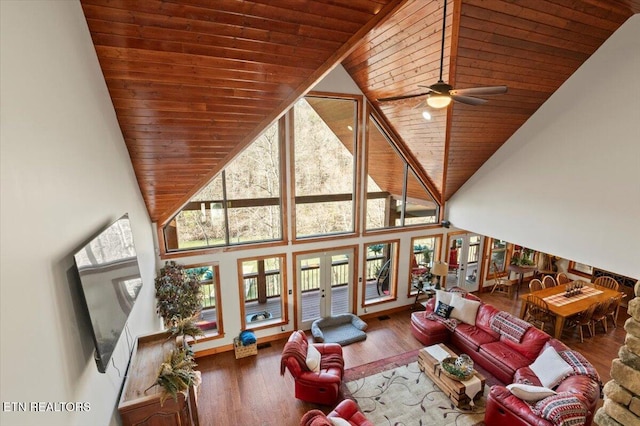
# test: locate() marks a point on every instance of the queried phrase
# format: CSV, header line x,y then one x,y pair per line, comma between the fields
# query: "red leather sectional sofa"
x,y
507,360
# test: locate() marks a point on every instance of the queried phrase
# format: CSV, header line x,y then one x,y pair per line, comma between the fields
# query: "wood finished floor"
x,y
250,391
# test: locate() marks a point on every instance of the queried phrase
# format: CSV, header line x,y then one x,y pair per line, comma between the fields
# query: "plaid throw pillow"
x,y
563,409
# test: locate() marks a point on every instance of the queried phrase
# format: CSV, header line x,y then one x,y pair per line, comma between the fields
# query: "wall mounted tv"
x,y
110,281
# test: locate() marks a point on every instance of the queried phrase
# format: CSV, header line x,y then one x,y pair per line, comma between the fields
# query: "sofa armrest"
x,y
348,410
358,323
505,408
328,348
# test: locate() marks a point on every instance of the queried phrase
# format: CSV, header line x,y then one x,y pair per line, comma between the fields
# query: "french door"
x,y
465,254
324,284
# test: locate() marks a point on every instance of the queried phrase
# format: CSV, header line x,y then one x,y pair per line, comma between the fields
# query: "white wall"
x,y
65,174
567,182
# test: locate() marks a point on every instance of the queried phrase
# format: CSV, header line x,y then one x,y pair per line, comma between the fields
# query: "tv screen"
x,y
110,281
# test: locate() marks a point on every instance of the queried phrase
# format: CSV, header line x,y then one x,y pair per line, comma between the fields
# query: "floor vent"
x,y
384,317
264,345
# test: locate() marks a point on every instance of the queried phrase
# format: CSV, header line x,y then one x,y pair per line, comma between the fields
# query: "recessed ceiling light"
x,y
426,115
350,128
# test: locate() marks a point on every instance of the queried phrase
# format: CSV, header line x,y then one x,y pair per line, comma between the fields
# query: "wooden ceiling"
x,y
194,81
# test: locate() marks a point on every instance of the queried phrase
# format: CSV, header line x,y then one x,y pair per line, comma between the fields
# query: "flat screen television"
x,y
110,282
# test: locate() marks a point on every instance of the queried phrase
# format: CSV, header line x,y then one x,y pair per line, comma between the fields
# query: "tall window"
x,y
324,148
261,284
240,205
425,251
395,196
210,319
381,272
498,255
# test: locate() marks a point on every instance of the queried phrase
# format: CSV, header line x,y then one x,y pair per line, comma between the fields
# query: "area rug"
x,y
404,395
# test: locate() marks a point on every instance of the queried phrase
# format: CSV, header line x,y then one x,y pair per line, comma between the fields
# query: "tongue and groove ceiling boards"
x,y
194,81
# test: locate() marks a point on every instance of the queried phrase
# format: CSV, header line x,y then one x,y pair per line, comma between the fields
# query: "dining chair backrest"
x,y
535,285
607,282
562,278
548,281
601,310
586,316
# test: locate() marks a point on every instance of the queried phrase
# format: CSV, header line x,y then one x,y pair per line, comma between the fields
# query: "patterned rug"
x,y
404,396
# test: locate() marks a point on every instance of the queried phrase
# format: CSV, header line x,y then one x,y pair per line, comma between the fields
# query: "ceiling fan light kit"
x,y
437,100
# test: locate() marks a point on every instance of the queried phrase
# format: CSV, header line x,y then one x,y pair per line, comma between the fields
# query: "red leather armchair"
x,y
321,387
347,410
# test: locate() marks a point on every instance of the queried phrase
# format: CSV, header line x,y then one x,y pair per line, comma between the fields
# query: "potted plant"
x,y
179,302
178,293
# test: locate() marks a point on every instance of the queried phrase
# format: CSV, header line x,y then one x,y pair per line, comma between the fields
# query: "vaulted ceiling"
x,y
193,82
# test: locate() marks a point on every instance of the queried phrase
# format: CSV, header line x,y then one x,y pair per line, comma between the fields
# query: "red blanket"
x,y
296,351
332,361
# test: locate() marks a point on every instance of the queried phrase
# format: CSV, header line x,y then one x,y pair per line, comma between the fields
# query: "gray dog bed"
x,y
343,329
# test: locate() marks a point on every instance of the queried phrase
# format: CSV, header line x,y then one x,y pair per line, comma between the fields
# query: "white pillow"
x,y
444,297
313,358
464,309
530,393
338,421
550,367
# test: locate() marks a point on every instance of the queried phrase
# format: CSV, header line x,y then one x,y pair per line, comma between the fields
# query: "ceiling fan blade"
x,y
398,98
480,91
468,100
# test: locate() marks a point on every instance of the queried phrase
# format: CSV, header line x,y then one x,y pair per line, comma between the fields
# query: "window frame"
x,y
436,256
393,274
276,322
409,166
219,332
357,192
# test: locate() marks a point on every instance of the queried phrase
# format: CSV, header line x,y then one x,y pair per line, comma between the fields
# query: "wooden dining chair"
x,y
607,282
562,278
548,281
501,285
612,311
537,312
583,319
600,314
535,285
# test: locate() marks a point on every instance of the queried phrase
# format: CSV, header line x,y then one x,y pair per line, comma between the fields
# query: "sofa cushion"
x,y
473,336
464,309
337,421
531,343
550,368
443,296
483,319
501,354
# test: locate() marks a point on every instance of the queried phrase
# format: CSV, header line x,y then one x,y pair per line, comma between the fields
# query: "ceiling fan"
x,y
440,94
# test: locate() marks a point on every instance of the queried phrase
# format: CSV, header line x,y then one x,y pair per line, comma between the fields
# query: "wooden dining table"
x,y
564,307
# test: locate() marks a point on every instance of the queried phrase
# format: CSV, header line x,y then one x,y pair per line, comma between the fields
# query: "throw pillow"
x,y
339,421
313,359
563,409
464,310
443,310
550,368
530,393
443,296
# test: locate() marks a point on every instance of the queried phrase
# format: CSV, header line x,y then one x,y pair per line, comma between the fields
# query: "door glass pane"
x,y
340,276
309,282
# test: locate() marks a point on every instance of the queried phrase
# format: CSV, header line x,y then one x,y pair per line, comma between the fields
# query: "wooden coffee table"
x,y
454,389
